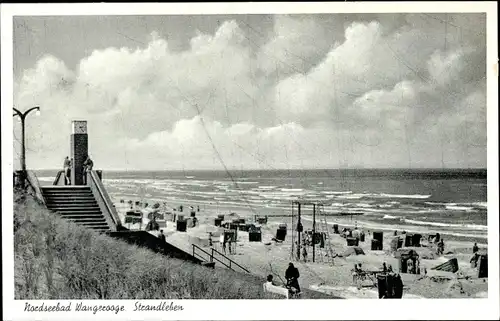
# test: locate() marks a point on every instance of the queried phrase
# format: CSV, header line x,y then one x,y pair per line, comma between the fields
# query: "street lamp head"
x,y
37,112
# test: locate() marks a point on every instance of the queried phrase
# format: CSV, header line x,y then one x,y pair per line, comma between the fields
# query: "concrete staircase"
x,y
77,204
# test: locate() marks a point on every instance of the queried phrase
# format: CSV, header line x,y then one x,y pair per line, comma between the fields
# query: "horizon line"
x,y
282,169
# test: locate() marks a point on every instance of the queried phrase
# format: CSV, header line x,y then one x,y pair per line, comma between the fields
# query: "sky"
x,y
254,91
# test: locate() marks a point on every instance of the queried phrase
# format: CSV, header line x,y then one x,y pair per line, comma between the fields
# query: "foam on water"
x,y
449,225
459,208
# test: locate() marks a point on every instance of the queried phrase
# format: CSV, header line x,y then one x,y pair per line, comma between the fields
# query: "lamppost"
x,y
22,116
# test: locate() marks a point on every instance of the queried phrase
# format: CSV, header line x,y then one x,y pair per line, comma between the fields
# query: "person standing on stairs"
x,y
67,173
87,168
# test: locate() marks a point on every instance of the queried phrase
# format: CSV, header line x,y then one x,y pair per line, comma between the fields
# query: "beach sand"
x,y
269,257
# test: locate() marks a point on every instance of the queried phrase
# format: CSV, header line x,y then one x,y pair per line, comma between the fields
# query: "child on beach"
x,y
475,248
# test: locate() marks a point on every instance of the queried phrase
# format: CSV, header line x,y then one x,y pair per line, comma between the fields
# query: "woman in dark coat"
x,y
292,275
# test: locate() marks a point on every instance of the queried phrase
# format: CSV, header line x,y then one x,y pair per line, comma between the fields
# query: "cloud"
x,y
367,91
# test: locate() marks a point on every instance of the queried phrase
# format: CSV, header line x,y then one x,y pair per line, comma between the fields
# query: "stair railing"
x,y
103,198
213,257
59,176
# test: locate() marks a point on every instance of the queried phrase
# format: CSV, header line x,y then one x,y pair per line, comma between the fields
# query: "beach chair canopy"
x,y
406,253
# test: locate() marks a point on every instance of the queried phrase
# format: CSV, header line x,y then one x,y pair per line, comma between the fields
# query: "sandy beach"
x,y
270,257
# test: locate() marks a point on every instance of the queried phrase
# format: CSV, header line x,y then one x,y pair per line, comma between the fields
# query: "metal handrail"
x,y
213,257
100,187
58,175
230,261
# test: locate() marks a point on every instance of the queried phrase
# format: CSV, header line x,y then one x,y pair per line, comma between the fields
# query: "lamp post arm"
x,y
18,113
31,109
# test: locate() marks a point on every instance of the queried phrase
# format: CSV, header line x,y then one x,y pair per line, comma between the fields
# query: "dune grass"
x,y
56,259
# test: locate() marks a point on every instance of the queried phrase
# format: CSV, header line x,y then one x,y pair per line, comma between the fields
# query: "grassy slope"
x,y
55,259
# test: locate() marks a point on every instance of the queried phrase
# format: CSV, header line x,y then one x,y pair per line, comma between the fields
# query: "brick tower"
x,y
79,150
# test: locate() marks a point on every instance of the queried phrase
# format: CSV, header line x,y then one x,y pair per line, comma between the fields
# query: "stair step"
x,y
82,215
66,188
87,219
100,227
74,204
70,199
54,194
66,213
88,223
75,208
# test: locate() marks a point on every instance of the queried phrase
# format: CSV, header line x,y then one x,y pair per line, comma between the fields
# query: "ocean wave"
x,y
415,196
293,190
439,203
352,197
336,192
267,187
390,217
449,225
408,228
246,183
459,208
481,204
383,195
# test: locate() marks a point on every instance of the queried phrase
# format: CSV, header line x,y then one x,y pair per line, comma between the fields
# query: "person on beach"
x,y
355,273
398,287
194,221
162,236
270,280
475,248
198,208
384,267
474,260
355,233
66,168
221,242
304,254
410,266
292,277
229,243
440,247
210,243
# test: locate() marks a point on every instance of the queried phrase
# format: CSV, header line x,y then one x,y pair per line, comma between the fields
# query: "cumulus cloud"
x,y
374,91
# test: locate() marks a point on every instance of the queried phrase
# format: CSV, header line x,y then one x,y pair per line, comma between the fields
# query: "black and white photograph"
x,y
167,157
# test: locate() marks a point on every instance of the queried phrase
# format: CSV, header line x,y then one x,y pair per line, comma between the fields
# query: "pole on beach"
x,y
293,239
298,241
314,232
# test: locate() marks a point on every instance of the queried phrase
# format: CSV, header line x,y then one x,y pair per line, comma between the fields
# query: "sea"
x,y
450,202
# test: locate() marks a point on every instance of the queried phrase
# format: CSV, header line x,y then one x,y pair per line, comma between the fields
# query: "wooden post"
x,y
298,241
212,255
293,239
314,232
